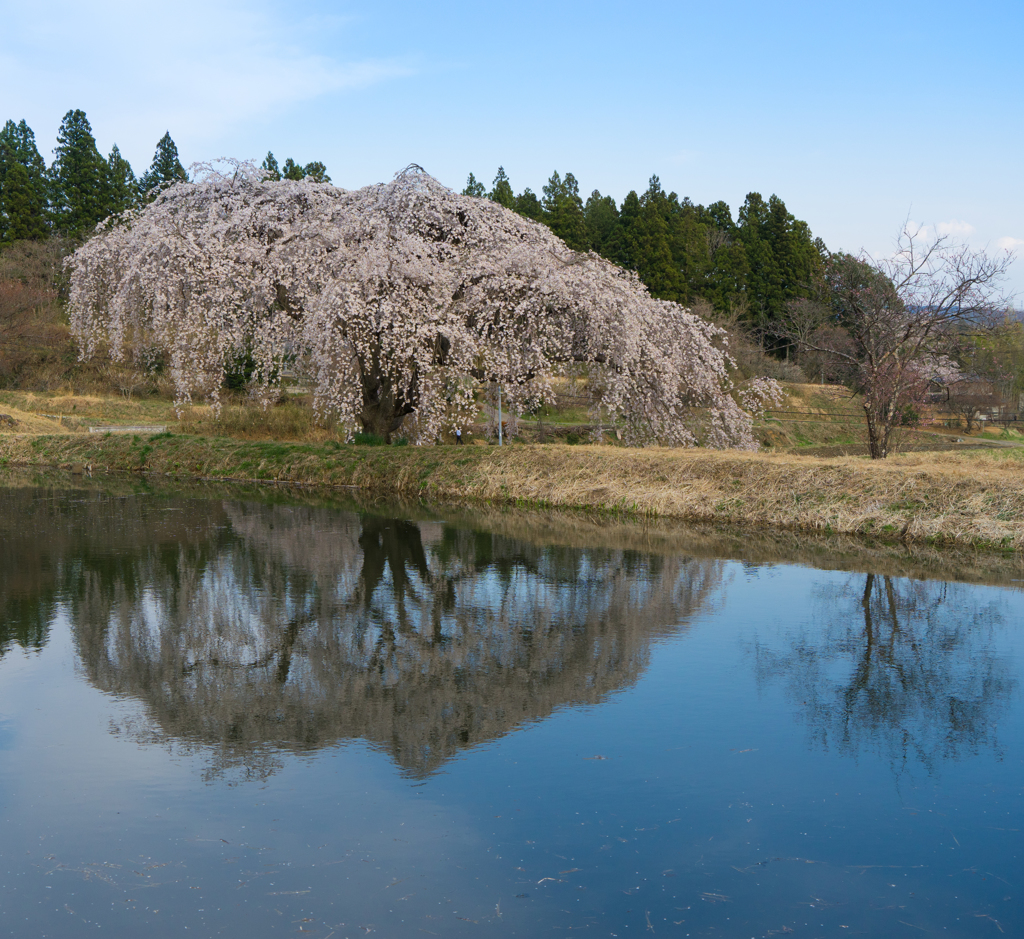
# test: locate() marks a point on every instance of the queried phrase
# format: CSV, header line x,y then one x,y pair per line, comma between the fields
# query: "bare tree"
x,y
893,322
31,281
19,310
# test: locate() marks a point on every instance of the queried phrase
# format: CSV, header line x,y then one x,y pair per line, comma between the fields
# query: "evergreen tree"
x,y
622,247
764,283
689,240
528,205
657,268
79,177
502,192
601,215
21,214
682,251
474,188
23,200
317,172
720,215
166,168
752,219
797,255
19,143
563,211
725,282
292,170
271,167
122,186
784,263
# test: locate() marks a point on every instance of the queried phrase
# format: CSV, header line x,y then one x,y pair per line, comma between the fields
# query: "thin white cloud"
x,y
956,228
685,157
1008,243
138,73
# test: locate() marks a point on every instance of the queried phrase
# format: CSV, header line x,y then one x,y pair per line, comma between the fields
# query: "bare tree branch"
x,y
895,322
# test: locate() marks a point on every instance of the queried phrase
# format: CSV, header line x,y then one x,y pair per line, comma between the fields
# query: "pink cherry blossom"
x,y
395,302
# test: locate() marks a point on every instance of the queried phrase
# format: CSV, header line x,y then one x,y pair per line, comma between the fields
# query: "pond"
x,y
242,713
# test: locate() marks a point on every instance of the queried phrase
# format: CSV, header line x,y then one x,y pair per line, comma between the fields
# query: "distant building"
x,y
973,398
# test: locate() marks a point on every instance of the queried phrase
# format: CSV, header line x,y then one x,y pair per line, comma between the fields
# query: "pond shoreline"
x,y
963,499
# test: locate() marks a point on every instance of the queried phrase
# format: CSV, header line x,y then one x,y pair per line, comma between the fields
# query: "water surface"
x,y
236,716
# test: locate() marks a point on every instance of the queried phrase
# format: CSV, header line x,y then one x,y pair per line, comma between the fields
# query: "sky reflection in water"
x,y
289,719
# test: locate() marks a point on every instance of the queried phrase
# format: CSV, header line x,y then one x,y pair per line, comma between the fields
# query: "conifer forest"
x,y
747,264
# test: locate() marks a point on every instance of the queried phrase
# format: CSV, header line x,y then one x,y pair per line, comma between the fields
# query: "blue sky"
x,y
858,115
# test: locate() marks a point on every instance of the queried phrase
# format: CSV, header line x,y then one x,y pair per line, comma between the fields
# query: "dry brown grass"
x,y
27,422
956,498
584,528
671,536
291,420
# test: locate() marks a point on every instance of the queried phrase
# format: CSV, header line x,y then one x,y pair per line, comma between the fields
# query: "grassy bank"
x,y
969,499
580,527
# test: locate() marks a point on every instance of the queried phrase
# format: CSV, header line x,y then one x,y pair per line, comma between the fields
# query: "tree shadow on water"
x,y
905,669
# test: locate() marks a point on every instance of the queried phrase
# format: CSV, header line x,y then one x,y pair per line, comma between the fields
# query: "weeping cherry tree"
x,y
396,300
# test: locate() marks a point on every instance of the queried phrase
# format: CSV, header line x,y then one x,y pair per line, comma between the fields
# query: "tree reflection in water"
x,y
289,627
905,668
26,573
247,628
47,537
